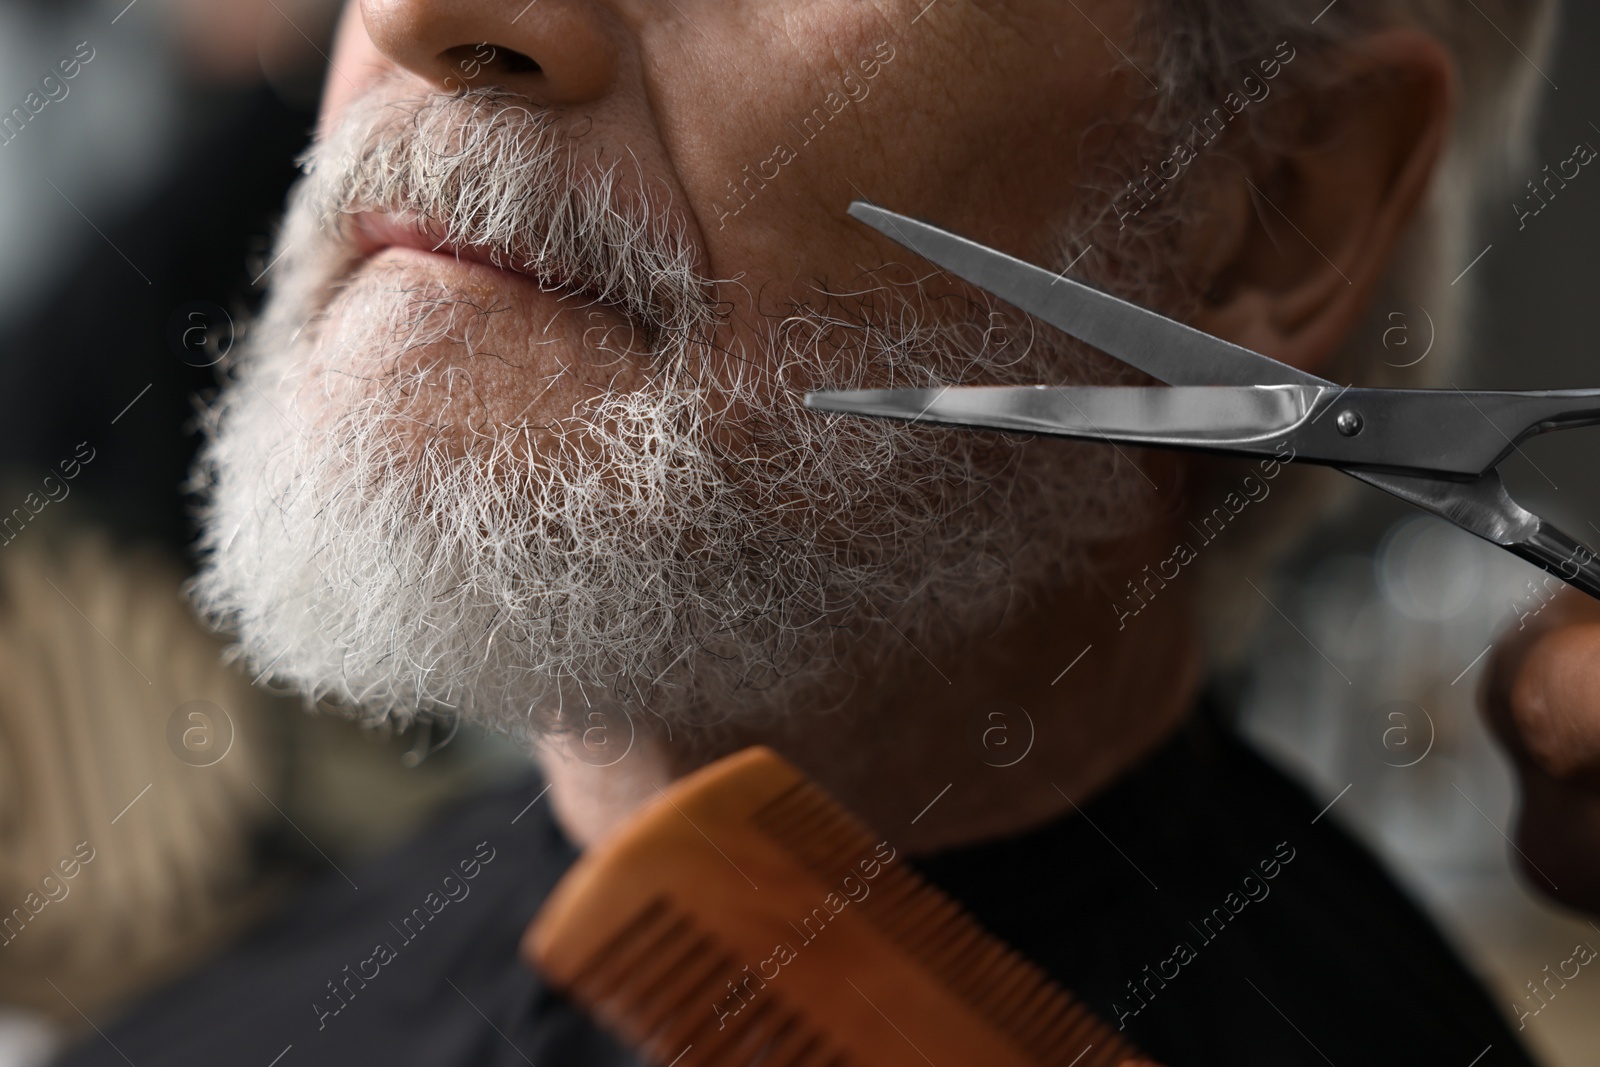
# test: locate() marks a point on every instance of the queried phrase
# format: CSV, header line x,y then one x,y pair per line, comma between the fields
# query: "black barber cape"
x,y
1195,903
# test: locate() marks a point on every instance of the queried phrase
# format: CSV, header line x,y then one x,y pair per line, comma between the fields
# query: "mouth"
x,y
374,232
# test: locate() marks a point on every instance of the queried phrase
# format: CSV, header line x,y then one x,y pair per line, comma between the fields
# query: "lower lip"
x,y
379,234
477,274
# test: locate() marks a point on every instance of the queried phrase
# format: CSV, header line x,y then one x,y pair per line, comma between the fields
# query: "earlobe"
x,y
1326,204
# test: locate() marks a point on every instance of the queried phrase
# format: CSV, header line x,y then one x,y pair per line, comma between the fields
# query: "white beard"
x,y
370,548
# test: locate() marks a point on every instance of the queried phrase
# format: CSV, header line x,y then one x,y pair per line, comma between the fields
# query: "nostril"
x,y
517,63
476,64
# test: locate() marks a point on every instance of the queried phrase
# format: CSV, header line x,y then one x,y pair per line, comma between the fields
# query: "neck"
x,y
1010,731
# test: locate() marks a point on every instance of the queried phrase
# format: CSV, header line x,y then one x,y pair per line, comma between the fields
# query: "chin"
x,y
454,350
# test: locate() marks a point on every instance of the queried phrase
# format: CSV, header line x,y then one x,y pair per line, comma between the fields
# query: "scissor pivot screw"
x,y
1349,423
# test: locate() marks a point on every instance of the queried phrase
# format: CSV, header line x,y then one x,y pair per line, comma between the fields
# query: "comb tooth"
x,y
1011,983
923,915
803,831
792,803
830,863
842,837
1055,1026
753,1026
906,911
751,1037
893,901
1008,1000
783,811
660,979
672,942
973,965
1012,994
698,968
666,1027
1002,988
1058,1020
1039,1009
772,1035
637,936
620,943
794,1043
966,952
829,827
720,1047
636,998
721,1043
623,977
649,990
810,823
973,956
790,1044
932,932
1076,1027
947,941
1081,1028
944,937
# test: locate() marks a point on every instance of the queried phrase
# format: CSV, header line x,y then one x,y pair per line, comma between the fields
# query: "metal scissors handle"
x,y
1438,450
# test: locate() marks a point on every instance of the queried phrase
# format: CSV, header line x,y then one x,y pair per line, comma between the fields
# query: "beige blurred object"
x,y
130,760
234,41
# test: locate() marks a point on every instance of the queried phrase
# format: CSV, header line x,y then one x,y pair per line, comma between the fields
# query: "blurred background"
x,y
1374,702
137,200
137,204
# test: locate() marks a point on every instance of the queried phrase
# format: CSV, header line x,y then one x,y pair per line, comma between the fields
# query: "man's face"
x,y
521,423
759,122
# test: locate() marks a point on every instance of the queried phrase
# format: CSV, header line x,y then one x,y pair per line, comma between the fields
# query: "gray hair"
x,y
1198,50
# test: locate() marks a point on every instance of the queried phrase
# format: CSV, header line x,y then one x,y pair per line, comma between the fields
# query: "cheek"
x,y
966,119
355,58
744,115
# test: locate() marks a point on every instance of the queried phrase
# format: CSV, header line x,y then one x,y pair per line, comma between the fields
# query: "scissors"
x,y
1436,449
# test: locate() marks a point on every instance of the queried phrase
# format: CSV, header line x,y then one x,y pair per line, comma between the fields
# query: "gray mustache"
x,y
485,169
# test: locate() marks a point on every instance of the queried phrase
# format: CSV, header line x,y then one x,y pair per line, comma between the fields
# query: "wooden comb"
x,y
747,918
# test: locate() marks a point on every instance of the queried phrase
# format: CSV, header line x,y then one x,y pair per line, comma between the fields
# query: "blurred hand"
x,y
1543,703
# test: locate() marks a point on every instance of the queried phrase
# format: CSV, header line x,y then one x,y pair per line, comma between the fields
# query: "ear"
x,y
1301,236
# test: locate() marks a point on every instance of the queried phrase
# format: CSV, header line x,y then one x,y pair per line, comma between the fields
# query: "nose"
x,y
553,51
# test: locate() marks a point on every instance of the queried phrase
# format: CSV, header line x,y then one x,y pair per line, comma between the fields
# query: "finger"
x,y
1555,701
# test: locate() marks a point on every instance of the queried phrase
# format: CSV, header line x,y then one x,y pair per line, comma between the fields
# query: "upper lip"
x,y
376,230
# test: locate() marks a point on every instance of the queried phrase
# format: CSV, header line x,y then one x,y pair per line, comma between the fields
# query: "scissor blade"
x,y
1213,418
1483,507
1161,347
